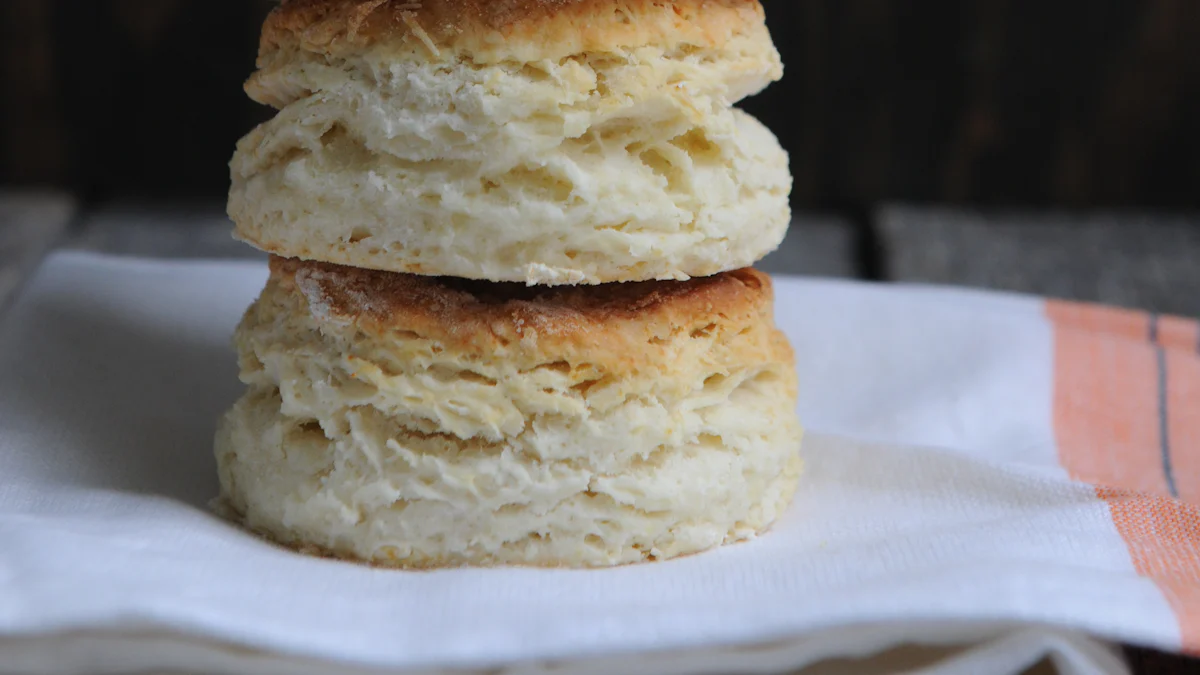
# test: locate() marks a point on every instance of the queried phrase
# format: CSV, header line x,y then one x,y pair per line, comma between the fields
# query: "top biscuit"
x,y
550,142
492,31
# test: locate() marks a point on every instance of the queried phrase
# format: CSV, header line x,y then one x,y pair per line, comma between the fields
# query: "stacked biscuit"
x,y
510,318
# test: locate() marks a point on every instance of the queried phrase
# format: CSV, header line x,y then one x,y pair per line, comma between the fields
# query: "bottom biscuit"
x,y
451,425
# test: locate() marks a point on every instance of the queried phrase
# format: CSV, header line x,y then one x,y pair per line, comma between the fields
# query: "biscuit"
x,y
423,422
605,149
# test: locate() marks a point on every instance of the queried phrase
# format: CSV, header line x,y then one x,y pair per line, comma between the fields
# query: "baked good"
x,y
410,402
539,141
421,422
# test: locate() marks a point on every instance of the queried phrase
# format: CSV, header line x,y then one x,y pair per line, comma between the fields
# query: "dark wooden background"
x,y
988,102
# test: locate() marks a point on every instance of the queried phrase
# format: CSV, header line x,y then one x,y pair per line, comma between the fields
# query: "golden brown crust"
x,y
371,296
630,322
497,30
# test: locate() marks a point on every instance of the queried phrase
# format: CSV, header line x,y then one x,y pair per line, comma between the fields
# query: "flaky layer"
x,y
630,204
587,81
507,112
419,422
359,484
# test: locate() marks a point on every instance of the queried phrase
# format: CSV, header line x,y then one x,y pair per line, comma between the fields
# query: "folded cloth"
x,y
999,478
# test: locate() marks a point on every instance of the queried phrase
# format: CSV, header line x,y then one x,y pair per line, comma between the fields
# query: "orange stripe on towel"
x,y
1183,421
1163,536
1126,406
1179,334
1099,319
1106,398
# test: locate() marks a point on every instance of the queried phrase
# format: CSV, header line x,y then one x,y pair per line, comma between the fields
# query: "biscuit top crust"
x,y
492,31
629,322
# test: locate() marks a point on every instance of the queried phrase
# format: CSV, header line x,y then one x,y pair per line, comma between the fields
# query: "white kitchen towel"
x,y
1006,473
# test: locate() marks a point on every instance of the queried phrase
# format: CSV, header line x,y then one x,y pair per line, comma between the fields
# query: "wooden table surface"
x,y
1137,260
